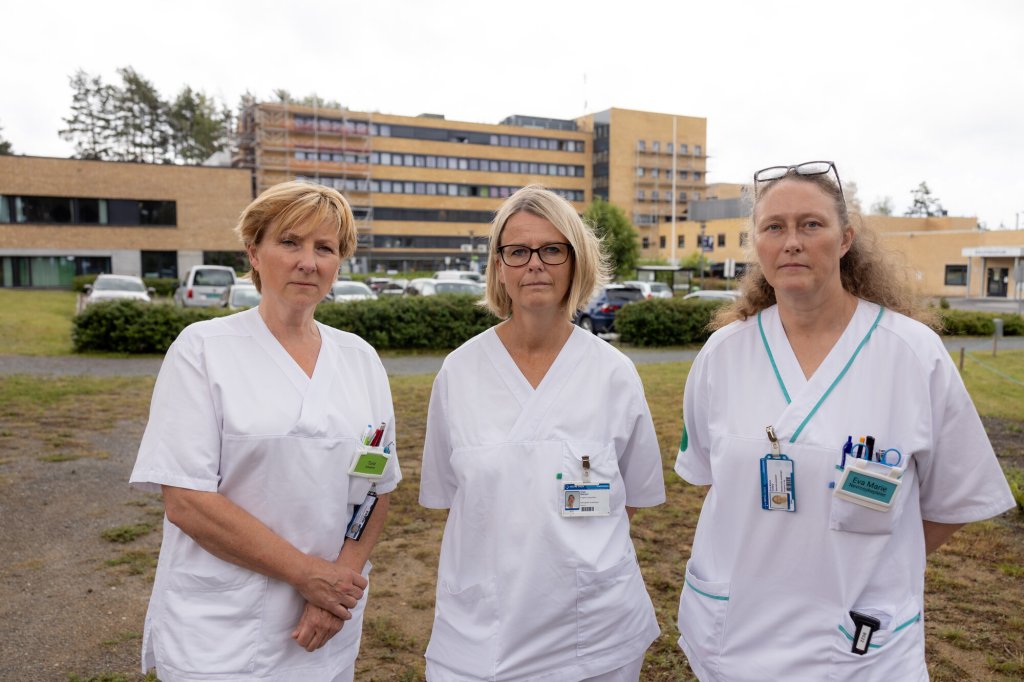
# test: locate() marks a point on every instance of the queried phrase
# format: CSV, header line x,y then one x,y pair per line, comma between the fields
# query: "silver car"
x,y
117,287
205,286
243,295
342,291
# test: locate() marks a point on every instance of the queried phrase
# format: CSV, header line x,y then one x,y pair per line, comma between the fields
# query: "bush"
x,y
79,282
410,322
429,323
665,321
133,326
162,286
974,323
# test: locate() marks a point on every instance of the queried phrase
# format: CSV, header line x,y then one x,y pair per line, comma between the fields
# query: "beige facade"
x,y
651,165
60,217
948,255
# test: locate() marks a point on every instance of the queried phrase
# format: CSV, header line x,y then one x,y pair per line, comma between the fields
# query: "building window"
x,y
683,149
696,175
654,195
661,241
655,146
697,150
160,264
233,259
639,171
640,195
956,275
682,196
681,242
721,239
646,243
668,147
641,145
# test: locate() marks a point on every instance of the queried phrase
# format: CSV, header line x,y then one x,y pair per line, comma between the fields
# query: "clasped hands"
x,y
331,590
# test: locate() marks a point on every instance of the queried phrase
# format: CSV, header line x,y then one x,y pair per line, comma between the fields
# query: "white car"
x,y
431,287
117,287
713,295
345,290
205,286
459,274
651,289
243,295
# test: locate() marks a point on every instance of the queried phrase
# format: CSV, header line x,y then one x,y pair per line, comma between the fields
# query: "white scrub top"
x,y
233,413
767,594
523,593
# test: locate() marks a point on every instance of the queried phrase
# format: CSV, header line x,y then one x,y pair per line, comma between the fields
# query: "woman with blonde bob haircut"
x,y
523,417
256,422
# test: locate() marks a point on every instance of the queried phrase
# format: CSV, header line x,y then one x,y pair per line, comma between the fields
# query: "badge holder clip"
x,y
370,462
778,479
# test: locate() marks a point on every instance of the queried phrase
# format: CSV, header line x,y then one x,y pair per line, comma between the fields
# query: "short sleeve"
x,y
640,460
961,480
182,442
393,475
437,479
693,463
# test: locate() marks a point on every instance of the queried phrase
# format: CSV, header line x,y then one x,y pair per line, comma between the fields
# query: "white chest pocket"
x,y
604,467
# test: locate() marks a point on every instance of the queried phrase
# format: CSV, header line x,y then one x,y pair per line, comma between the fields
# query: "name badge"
x,y
777,483
869,484
369,462
586,498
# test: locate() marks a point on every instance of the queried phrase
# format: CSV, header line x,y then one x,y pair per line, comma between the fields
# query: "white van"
x,y
205,286
459,274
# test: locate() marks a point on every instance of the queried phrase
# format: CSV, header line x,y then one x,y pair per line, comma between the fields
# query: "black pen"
x,y
870,440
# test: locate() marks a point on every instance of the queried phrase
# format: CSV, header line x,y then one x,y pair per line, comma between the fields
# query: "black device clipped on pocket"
x,y
361,515
865,627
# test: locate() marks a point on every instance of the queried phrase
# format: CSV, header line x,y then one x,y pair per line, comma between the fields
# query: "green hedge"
x,y
974,323
133,326
162,286
665,321
410,322
430,323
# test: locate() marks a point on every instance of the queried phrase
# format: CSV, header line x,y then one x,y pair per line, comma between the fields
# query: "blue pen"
x,y
847,450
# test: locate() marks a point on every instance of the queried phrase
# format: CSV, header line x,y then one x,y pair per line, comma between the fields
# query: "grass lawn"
x,y
36,322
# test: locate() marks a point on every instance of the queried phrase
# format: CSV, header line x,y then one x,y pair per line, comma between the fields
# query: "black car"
x,y
599,315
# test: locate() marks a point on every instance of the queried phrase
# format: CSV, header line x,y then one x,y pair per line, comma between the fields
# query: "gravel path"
x,y
395,365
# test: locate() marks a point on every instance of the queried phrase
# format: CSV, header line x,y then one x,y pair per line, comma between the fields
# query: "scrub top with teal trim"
x,y
767,594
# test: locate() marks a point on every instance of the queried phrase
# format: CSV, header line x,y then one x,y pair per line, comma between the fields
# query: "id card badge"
x,y
585,498
369,462
778,479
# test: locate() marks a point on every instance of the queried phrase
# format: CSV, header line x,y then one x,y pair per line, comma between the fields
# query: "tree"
x,y
198,128
619,236
925,204
141,127
850,196
90,125
696,261
883,206
5,146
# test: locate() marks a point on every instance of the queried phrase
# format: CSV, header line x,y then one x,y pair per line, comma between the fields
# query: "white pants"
x,y
627,673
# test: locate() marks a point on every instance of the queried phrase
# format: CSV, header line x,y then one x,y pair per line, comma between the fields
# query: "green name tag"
x,y
369,463
865,485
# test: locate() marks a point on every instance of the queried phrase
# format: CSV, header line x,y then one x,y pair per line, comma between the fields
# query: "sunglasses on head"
x,y
806,168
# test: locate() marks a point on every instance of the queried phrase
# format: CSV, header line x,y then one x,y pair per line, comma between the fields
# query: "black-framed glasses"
x,y
518,255
805,168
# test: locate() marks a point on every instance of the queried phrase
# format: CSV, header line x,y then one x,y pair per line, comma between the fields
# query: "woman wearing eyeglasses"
x,y
521,417
840,446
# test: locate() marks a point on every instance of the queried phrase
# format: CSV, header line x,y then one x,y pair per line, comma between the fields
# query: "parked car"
x,y
243,295
459,274
377,283
713,295
351,291
395,287
599,315
117,287
205,286
431,287
651,289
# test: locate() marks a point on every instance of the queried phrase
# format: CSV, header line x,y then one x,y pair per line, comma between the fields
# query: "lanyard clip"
x,y
776,450
586,468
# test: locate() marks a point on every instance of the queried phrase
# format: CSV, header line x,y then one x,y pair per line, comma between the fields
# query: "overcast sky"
x,y
895,91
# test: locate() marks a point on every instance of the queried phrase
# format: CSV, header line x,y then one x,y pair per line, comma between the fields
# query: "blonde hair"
x,y
868,270
589,262
297,206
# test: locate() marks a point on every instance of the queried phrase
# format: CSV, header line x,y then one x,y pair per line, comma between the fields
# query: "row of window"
x,y
401,241
655,195
436,134
666,173
86,211
427,215
431,188
656,147
442,162
681,240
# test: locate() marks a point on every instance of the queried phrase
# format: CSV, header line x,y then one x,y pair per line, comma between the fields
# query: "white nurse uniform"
x,y
768,594
233,413
524,593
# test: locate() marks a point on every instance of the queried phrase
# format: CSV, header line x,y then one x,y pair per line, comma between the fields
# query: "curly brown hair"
x,y
868,270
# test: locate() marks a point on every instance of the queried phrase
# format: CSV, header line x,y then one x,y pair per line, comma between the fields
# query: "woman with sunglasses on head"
x,y
809,556
541,446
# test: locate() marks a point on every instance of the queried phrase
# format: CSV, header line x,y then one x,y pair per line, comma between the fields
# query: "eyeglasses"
x,y
806,168
518,255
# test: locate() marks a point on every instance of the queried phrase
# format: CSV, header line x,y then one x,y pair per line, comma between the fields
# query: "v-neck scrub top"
x,y
523,593
233,413
767,594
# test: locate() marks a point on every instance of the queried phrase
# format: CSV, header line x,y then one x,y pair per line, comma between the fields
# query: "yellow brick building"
x,y
60,218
